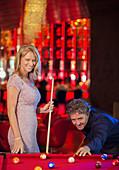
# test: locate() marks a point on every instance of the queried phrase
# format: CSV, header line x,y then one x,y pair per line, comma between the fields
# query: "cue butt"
x,y
49,121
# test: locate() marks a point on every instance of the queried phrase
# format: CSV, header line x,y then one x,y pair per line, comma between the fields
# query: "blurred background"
x,y
78,42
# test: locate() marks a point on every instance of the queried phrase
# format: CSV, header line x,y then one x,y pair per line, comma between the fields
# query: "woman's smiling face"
x,y
28,62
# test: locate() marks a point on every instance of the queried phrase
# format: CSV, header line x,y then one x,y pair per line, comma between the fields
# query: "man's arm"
x,y
97,136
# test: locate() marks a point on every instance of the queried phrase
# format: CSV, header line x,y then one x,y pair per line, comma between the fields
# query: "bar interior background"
x,y
75,38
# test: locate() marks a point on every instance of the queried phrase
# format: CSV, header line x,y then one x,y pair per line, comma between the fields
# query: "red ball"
x,y
115,162
98,164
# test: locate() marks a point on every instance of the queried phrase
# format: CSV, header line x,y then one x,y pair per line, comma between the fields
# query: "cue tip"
x,y
74,155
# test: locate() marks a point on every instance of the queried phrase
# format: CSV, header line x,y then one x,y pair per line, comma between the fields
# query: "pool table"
x,y
30,161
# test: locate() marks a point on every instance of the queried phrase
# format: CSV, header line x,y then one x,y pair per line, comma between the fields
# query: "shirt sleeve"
x,y
15,81
100,132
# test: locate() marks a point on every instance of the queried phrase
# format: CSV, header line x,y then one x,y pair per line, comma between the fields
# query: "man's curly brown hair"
x,y
77,106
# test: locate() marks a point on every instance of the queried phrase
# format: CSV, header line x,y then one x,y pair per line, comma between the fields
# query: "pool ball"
x,y
15,160
71,160
51,165
37,168
43,156
115,162
98,164
104,156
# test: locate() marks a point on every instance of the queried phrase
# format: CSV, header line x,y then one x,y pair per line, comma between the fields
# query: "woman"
x,y
22,100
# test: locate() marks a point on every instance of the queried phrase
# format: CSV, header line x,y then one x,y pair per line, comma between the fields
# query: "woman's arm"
x,y
39,110
12,98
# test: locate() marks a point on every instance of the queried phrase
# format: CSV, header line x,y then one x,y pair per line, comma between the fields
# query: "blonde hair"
x,y
21,53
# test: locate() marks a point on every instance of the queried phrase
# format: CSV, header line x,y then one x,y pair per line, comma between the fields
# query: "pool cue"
x,y
49,121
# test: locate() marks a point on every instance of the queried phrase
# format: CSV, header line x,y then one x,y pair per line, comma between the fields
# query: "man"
x,y
100,129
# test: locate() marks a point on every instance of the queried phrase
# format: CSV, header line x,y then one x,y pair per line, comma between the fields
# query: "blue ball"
x,y
51,165
104,156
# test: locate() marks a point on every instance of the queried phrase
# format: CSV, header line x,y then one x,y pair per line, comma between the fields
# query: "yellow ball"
x,y
37,168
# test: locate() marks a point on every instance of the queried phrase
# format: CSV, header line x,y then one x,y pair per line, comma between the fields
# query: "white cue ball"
x,y
71,160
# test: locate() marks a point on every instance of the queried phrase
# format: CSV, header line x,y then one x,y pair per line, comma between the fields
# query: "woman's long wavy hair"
x,y
21,53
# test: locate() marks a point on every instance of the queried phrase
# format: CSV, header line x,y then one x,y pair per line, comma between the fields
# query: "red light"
x,y
80,32
46,42
69,43
58,31
46,31
69,31
36,42
77,75
69,54
66,74
80,53
80,43
85,95
58,54
58,42
46,54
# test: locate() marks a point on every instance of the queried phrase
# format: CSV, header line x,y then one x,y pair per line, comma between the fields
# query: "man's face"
x,y
79,120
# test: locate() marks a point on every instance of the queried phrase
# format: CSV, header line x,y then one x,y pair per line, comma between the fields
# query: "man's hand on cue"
x,y
82,151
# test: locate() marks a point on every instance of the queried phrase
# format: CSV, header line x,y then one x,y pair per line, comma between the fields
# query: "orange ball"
x,y
15,160
43,156
37,168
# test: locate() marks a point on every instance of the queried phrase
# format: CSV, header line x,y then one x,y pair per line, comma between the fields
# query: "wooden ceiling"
x,y
66,10
57,11
10,12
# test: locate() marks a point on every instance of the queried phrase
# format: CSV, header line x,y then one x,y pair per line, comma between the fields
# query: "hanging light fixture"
x,y
34,17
